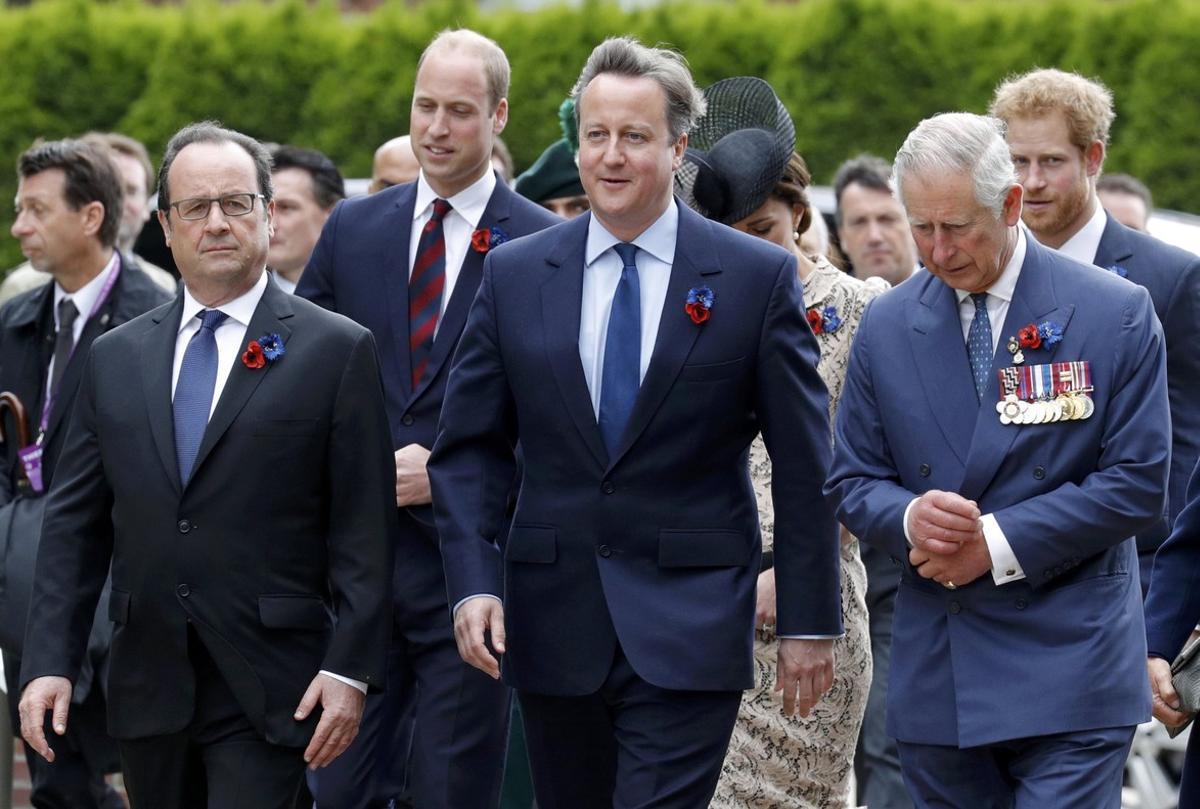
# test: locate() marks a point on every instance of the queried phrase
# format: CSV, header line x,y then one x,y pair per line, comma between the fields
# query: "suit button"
x,y
407,421
184,526
925,470
1039,472
955,608
1022,603
604,551
1047,573
607,487
183,591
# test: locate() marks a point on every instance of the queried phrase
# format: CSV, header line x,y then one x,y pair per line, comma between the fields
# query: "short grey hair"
x,y
960,142
495,63
213,132
625,56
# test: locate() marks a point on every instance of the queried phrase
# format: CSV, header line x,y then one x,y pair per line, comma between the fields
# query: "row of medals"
x,y
1072,406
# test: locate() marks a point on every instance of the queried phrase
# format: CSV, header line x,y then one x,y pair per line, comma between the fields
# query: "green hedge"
x,y
856,74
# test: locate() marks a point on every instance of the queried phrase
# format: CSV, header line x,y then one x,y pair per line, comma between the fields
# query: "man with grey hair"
x,y
406,262
1004,431
633,354
227,460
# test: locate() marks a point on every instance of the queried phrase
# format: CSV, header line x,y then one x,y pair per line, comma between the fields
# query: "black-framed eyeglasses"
x,y
231,205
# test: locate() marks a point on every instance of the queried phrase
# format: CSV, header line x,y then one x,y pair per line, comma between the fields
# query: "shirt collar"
x,y
658,240
470,203
240,308
85,297
1007,282
1083,245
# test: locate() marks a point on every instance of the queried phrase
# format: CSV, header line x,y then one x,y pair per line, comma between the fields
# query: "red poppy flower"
x,y
1028,337
480,240
697,311
815,321
254,357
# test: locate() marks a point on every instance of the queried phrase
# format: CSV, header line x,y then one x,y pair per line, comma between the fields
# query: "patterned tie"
x,y
979,344
63,342
621,376
194,390
425,287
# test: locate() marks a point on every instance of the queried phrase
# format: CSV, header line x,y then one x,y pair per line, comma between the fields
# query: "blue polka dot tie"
x,y
621,375
194,390
979,344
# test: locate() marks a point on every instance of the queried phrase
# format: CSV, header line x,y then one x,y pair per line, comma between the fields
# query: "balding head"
x,y
395,164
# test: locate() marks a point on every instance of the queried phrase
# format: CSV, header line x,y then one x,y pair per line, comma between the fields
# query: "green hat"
x,y
554,175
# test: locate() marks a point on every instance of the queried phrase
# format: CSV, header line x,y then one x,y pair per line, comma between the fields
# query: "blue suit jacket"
x,y
658,547
1173,604
1062,649
359,268
1172,277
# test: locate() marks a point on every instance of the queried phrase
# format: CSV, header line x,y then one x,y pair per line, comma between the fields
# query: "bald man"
x,y
395,164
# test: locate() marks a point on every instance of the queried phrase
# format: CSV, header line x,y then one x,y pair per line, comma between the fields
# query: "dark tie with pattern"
x,y
64,341
194,390
979,344
621,375
425,286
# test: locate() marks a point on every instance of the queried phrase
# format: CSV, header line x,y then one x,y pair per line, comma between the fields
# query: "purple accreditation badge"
x,y
31,459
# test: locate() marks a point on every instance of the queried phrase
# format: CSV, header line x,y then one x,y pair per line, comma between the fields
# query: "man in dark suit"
x,y
406,263
69,205
1057,132
633,354
1172,612
1004,431
226,458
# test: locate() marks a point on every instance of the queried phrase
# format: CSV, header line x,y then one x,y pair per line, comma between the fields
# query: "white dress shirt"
x,y
467,207
84,299
1005,567
231,344
1083,245
602,269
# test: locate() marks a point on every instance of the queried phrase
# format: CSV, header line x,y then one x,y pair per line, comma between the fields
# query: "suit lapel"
x,y
455,317
270,317
695,257
157,358
1114,247
395,271
943,366
562,300
1034,301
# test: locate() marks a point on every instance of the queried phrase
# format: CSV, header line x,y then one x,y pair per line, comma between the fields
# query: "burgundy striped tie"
x,y
425,287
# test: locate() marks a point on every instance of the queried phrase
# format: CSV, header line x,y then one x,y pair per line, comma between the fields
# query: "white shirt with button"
x,y
84,299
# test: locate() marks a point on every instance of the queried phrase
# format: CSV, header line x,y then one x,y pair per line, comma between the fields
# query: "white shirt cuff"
x,y
361,686
454,611
907,509
1005,567
811,637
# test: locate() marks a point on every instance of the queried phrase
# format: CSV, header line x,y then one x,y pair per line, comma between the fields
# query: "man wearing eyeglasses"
x,y
229,460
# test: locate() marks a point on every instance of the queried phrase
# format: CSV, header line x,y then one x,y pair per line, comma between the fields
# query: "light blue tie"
x,y
194,390
979,344
622,352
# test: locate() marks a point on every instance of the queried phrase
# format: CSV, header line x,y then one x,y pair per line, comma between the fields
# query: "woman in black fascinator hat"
x,y
741,169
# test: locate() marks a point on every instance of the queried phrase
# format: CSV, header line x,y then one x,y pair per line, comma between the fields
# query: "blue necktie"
x,y
979,344
194,391
622,353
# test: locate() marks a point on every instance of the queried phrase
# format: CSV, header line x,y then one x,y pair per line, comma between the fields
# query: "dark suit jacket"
x,y
658,547
359,268
1061,650
1173,604
1172,277
27,342
275,552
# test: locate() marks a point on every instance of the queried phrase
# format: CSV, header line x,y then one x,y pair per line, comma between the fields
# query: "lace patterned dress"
x,y
775,761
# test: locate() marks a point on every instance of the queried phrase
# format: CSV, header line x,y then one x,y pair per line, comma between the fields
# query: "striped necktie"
x,y
425,287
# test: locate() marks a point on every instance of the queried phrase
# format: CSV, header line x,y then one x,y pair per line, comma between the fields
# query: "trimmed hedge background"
x,y
856,74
